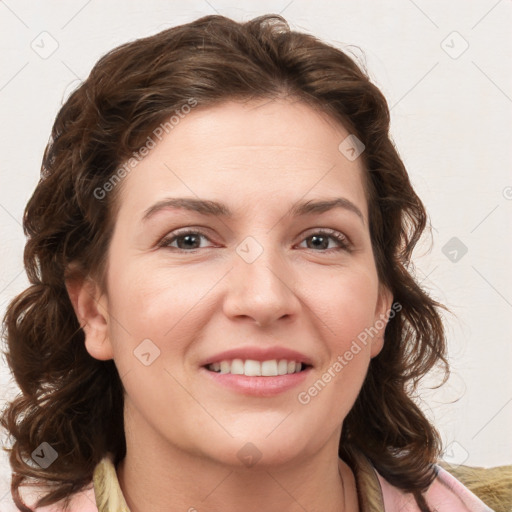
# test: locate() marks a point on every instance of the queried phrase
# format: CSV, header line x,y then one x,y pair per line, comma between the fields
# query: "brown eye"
x,y
185,241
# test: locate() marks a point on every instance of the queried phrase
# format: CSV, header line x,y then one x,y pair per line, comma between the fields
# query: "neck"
x,y
171,478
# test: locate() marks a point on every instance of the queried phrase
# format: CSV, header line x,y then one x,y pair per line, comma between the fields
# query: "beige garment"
x,y
109,497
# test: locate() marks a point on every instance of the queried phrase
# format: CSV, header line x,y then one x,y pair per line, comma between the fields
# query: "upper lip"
x,y
258,354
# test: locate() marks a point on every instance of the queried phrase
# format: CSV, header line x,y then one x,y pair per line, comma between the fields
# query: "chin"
x,y
254,450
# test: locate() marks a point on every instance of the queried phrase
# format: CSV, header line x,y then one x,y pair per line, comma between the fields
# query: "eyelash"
x,y
340,238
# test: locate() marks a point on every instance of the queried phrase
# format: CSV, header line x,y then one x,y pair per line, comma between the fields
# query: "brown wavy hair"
x,y
75,402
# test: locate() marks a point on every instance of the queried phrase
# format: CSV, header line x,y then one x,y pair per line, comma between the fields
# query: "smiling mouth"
x,y
253,368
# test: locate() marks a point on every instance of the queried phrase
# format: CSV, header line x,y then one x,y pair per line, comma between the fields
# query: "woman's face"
x,y
218,247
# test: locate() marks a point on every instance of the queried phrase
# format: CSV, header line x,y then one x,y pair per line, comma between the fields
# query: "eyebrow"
x,y
214,208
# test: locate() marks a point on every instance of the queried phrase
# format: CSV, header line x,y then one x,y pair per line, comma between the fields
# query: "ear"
x,y
91,309
382,313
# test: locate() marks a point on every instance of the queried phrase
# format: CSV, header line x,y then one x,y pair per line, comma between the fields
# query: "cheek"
x,y
344,311
152,320
163,305
345,302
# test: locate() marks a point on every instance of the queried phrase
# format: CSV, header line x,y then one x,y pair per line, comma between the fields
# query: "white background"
x,y
451,121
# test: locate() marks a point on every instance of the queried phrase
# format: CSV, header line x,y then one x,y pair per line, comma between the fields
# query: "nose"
x,y
261,291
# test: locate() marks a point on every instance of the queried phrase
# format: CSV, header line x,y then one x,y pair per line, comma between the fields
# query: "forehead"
x,y
272,125
248,150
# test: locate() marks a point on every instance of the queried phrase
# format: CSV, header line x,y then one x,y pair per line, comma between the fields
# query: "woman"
x,y
221,314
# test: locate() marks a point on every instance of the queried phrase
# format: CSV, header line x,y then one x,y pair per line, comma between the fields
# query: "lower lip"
x,y
258,386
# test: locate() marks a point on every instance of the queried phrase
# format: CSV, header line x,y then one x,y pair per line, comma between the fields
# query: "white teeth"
x,y
237,367
252,368
282,367
269,368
